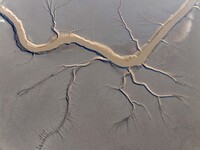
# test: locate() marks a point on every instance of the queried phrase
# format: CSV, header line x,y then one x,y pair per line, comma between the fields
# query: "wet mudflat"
x,y
100,114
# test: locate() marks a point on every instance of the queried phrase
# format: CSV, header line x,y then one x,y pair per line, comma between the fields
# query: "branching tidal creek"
x,y
126,62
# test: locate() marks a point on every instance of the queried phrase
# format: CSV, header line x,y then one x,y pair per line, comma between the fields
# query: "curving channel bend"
x,y
136,59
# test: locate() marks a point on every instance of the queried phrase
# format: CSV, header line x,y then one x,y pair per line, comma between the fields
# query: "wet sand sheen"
x,y
136,59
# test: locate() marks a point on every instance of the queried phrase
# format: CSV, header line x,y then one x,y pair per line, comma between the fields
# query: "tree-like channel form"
x,y
126,62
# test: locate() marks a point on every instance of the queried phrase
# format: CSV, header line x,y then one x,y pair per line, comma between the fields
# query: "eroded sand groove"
x,y
135,59
126,62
